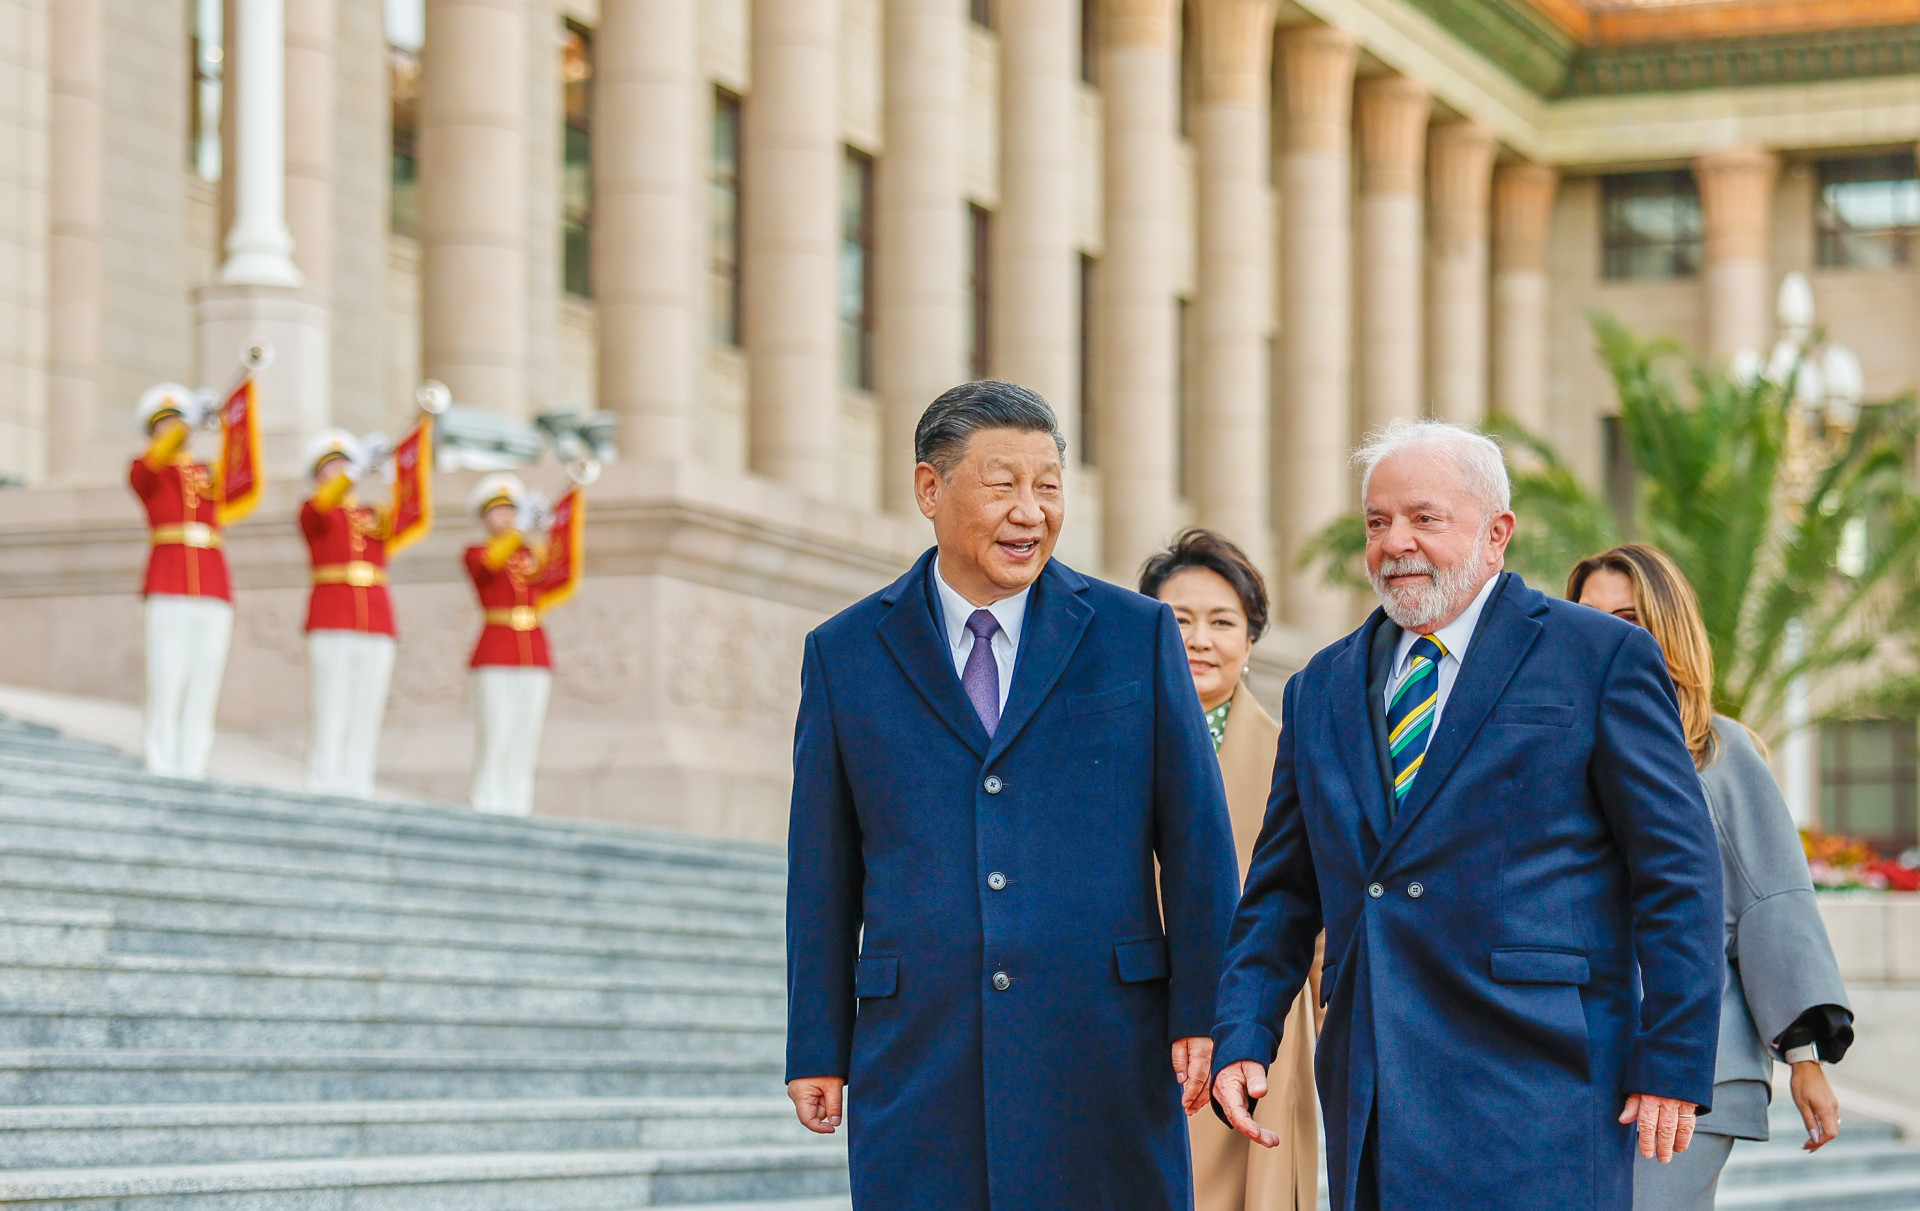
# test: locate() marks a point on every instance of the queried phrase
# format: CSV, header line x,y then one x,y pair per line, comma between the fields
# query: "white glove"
x,y
534,515
201,410
376,457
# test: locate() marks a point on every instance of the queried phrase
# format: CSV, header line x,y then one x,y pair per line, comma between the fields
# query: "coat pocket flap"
x,y
1534,714
1145,959
1105,700
878,976
1522,966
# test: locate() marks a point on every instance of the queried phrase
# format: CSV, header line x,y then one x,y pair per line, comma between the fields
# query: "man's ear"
x,y
1500,531
926,489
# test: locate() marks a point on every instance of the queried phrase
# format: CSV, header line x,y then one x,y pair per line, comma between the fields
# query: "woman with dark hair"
x,y
1783,993
1220,602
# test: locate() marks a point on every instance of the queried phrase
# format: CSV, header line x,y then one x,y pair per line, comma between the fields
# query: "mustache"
x,y
1408,565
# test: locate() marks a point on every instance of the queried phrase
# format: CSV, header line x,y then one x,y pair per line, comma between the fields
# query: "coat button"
x,y
1415,890
993,784
1002,981
997,881
1375,890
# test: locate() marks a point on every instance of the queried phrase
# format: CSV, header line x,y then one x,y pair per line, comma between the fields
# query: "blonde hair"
x,y
1669,610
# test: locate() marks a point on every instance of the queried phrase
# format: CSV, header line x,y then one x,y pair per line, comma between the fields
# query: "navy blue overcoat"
x,y
1058,1090
1483,943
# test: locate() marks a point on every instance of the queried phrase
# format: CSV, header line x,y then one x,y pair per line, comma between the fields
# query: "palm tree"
x,y
1805,553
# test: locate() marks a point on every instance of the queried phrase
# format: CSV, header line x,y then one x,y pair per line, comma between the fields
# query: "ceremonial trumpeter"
x,y
188,603
529,563
350,629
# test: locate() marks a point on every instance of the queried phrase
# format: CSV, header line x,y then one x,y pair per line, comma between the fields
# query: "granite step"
x,y
96,1136
606,1180
127,1077
77,835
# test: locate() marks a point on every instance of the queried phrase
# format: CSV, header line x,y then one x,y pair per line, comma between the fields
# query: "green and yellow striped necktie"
x,y
1411,711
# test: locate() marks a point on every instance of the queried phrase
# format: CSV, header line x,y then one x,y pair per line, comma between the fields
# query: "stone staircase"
x,y
221,997
1867,1168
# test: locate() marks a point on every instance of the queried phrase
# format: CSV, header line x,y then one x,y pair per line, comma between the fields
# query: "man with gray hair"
x,y
1010,866
1484,796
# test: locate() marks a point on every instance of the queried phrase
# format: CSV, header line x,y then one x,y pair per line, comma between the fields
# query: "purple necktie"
x,y
981,679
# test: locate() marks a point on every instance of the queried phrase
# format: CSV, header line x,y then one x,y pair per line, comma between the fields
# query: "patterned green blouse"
x,y
1217,722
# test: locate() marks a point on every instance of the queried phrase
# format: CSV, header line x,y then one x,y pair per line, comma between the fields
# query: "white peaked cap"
x,y
493,487
328,442
159,398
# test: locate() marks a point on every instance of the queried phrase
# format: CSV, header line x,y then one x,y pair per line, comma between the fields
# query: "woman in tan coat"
x,y
1220,601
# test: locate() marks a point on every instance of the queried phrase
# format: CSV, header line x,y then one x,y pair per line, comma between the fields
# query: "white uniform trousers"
x,y
187,641
347,676
509,709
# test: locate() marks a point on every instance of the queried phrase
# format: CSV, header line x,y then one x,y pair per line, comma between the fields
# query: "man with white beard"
x,y
1484,795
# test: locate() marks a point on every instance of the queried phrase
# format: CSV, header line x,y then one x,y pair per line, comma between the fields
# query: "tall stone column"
x,y
261,296
1736,204
1391,121
1522,213
310,119
1233,303
1138,437
1314,431
1035,263
920,318
76,198
1459,180
648,106
790,175
473,185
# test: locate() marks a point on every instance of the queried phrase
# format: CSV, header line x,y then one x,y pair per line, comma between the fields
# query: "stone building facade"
x,y
1224,237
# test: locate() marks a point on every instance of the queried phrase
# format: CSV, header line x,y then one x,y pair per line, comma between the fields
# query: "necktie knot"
x,y
983,624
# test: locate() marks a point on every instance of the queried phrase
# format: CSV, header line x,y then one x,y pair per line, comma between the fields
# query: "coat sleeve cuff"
x,y
1656,1071
815,1059
1236,1041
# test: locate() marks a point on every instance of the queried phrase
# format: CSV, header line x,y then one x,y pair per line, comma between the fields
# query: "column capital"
x,y
1391,117
1317,76
1522,209
1736,192
1144,23
1459,175
1236,46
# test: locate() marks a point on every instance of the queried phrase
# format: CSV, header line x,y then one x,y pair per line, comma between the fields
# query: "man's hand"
x,y
1193,1067
816,1099
1819,1109
1235,1084
1666,1124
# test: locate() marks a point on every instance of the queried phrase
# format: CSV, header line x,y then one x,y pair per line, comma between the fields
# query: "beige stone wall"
x,y
23,224
362,325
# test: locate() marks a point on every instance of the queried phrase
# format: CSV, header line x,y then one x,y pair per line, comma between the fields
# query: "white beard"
x,y
1446,592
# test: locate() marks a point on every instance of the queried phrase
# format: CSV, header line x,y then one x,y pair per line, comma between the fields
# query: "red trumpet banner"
x,y
566,550
412,512
241,475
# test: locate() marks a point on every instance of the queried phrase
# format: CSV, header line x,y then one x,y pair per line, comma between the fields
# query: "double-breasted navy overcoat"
x,y
1534,934
1057,1090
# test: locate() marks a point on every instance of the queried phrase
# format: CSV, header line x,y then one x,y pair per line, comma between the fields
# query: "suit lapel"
x,y
1056,619
1351,718
1507,632
919,647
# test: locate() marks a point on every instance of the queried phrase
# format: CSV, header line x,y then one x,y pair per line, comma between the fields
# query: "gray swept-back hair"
x,y
949,423
1475,456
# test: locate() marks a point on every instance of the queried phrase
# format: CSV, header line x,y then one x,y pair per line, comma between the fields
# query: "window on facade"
x,y
1089,431
1867,780
1650,225
1090,41
980,290
1868,213
856,270
406,33
723,321
576,171
207,44
982,12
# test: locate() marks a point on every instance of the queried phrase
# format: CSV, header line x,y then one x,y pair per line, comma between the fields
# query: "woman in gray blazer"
x,y
1783,993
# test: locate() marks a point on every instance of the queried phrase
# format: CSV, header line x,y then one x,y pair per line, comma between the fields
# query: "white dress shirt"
x,y
1454,637
1010,612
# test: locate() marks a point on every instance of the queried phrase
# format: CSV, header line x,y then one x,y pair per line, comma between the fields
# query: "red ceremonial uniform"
x,y
347,545
512,635
186,559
